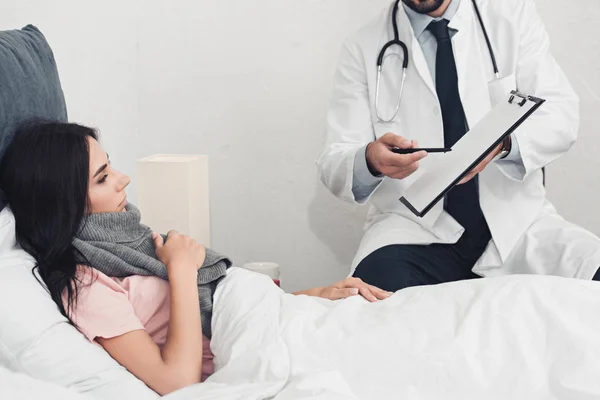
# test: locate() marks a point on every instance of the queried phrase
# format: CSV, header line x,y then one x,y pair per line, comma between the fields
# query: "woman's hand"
x,y
179,250
347,288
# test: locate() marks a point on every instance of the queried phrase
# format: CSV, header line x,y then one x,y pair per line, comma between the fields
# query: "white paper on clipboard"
x,y
473,147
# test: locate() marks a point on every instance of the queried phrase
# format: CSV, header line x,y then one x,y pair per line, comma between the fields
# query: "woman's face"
x,y
106,190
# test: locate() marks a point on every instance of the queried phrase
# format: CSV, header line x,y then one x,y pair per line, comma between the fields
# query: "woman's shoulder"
x,y
90,278
102,307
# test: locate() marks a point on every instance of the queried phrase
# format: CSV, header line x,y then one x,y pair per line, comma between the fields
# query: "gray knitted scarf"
x,y
118,245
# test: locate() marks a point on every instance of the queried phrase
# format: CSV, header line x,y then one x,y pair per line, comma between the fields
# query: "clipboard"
x,y
468,152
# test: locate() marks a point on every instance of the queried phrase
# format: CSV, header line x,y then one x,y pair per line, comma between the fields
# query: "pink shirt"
x,y
111,307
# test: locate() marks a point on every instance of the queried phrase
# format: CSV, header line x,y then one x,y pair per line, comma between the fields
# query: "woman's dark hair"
x,y
45,174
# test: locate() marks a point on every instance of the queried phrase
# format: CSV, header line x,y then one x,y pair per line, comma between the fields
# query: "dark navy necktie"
x,y
462,202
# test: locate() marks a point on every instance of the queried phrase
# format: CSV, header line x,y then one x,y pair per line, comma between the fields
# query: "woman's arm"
x,y
347,288
183,349
179,362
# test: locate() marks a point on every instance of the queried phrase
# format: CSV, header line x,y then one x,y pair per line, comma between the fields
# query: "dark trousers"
x,y
396,267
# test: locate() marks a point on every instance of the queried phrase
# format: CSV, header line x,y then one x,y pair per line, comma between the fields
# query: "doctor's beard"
x,y
423,6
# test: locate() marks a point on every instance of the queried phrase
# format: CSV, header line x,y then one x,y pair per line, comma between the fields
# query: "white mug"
x,y
270,269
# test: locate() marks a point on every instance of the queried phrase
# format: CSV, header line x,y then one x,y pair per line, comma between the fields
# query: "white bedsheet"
x,y
519,337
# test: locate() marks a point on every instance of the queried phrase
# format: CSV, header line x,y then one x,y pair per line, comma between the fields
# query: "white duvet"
x,y
519,337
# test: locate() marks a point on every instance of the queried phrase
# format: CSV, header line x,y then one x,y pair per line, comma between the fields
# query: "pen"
x,y
414,150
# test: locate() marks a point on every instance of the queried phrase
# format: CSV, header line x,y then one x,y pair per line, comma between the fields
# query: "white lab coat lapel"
x,y
416,52
418,71
472,79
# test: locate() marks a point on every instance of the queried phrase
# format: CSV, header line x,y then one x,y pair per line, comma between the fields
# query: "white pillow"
x,y
35,339
8,240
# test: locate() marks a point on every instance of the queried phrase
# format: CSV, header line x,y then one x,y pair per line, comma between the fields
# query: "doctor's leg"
x,y
396,267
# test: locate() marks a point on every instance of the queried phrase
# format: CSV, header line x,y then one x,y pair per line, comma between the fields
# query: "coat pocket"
x,y
499,89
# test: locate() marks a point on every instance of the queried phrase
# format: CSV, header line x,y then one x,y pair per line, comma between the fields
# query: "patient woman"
x,y
54,175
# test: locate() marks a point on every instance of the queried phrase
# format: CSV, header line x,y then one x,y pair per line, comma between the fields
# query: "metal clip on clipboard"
x,y
524,98
440,176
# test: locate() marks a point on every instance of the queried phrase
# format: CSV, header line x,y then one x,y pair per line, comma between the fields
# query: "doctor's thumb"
x,y
394,140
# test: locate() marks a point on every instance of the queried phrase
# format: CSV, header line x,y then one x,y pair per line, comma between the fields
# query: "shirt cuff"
x,y
363,182
514,154
513,163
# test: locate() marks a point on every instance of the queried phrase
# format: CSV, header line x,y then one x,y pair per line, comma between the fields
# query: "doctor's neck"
x,y
434,8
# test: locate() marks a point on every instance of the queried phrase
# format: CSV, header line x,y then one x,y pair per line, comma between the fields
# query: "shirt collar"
x,y
420,22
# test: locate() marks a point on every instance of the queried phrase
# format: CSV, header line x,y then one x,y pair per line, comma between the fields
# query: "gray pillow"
x,y
29,83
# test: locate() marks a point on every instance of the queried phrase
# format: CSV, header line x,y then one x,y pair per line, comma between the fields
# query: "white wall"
x,y
248,83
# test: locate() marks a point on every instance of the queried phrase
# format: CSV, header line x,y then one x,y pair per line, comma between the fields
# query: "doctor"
x,y
498,220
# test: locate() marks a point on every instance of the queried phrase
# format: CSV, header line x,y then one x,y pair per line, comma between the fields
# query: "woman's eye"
x,y
103,179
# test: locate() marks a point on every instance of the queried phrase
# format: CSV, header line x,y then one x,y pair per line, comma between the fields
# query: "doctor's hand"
x,y
481,166
382,161
351,287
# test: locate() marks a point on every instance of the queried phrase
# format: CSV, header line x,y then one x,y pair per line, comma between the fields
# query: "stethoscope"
x,y
398,42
